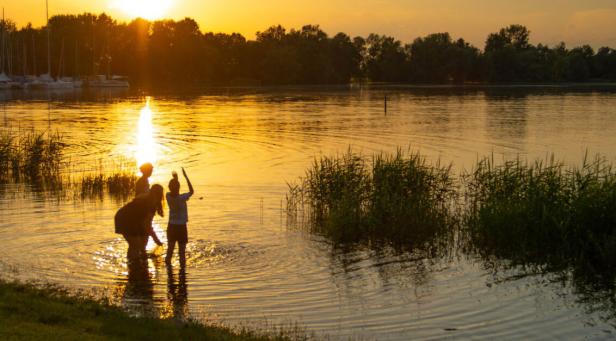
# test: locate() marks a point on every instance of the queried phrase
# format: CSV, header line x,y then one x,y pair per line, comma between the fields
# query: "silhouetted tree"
x,y
345,58
178,52
605,63
437,59
507,53
385,59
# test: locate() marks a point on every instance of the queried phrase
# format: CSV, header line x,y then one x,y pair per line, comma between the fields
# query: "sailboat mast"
x,y
2,61
48,39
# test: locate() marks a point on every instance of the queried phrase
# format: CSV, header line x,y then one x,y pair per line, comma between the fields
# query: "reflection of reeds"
x,y
396,197
544,213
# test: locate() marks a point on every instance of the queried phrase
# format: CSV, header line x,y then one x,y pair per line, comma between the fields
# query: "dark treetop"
x,y
177,52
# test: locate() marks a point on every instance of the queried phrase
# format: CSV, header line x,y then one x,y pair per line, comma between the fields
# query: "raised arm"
x,y
190,187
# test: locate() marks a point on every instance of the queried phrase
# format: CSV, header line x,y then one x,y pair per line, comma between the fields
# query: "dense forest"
x,y
178,52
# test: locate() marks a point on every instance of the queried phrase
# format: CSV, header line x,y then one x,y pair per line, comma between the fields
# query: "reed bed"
x,y
120,183
539,213
397,198
544,213
36,159
30,156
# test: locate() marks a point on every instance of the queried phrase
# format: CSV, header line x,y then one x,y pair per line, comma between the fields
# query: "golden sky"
x,y
551,21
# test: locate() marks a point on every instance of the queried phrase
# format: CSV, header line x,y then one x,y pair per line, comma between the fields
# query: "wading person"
x,y
142,186
178,218
134,220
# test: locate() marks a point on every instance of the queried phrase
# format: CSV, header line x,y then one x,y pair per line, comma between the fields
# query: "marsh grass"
x,y
539,214
397,198
544,213
30,156
6,154
36,159
120,183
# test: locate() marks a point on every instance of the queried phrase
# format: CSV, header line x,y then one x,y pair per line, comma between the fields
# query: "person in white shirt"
x,y
178,217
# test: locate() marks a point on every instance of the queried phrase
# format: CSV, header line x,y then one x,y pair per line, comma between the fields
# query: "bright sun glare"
x,y
147,9
146,146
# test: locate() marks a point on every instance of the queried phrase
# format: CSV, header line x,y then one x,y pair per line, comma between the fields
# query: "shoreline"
x,y
306,89
30,311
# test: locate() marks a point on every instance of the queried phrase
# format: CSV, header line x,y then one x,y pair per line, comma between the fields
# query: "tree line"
x,y
178,52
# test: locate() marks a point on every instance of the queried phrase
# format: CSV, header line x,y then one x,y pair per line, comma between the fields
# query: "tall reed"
x,y
30,156
120,183
544,213
396,198
532,213
37,158
6,154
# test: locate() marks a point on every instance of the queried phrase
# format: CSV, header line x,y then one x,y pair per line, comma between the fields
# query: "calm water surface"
x,y
240,148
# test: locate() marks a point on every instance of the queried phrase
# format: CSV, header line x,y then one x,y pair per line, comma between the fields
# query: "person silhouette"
x,y
142,186
178,217
134,220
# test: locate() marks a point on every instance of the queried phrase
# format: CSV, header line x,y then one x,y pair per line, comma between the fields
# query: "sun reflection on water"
x,y
146,145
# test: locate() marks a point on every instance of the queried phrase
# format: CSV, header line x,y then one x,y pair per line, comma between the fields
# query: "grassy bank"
x,y
30,313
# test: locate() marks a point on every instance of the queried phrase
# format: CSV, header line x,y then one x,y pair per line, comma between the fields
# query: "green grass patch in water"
x,y
399,198
30,156
36,159
544,213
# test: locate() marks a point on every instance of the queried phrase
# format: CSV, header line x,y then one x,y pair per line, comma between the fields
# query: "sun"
x,y
147,9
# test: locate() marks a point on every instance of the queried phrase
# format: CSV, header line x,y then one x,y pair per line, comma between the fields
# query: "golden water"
x,y
240,148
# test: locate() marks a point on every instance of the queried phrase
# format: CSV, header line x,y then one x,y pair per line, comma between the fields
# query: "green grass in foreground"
x,y
28,313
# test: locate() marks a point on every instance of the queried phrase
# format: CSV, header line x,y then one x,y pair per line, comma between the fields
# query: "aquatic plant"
x,y
6,154
544,213
118,183
537,213
415,200
36,158
30,155
397,198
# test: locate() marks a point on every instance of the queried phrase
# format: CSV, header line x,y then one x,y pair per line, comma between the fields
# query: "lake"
x,y
245,265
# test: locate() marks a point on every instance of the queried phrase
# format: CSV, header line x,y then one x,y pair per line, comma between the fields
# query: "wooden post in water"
x,y
385,104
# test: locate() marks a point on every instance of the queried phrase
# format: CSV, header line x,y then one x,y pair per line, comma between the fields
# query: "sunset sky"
x,y
551,21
